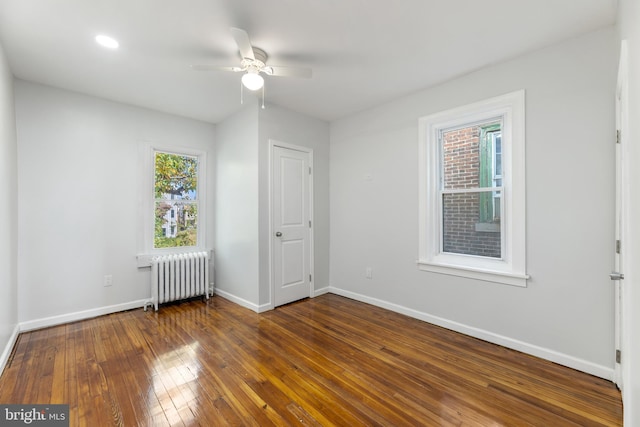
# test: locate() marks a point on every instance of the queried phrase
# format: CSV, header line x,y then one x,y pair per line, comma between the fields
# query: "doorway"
x,y
291,222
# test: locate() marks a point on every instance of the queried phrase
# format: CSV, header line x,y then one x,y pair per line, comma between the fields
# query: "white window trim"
x,y
511,268
147,202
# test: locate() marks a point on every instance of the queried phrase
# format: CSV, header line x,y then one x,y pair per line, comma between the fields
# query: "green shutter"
x,y
486,178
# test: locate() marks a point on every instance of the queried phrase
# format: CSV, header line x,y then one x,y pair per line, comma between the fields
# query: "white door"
x,y
291,224
617,275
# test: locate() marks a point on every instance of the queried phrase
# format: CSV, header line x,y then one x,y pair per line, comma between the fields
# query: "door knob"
x,y
278,234
616,276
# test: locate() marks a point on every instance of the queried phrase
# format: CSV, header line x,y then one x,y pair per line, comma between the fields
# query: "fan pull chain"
x,y
263,96
241,99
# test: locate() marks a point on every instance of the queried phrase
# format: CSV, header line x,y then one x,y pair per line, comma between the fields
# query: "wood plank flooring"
x,y
320,362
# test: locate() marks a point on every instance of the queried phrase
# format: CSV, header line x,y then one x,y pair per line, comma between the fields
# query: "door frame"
x,y
621,217
273,143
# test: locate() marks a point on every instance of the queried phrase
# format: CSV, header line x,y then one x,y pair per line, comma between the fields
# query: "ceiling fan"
x,y
254,63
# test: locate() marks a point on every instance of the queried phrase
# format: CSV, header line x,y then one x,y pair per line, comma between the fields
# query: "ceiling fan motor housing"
x,y
260,55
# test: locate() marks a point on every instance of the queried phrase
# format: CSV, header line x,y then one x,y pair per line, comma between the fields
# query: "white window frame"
x,y
147,202
510,269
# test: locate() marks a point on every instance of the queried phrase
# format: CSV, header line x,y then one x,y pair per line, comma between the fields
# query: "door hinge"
x,y
310,278
309,223
618,356
309,170
618,246
617,136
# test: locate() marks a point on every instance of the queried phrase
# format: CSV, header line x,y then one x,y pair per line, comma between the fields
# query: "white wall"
x,y
236,217
287,126
629,29
8,213
78,198
242,217
566,312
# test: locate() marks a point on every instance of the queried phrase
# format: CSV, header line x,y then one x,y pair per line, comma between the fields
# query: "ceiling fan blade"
x,y
203,67
278,71
244,45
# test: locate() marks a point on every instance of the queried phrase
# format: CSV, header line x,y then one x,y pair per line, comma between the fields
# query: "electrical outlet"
x,y
368,273
108,280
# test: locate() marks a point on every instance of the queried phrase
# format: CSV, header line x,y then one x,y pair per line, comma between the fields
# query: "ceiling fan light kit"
x,y
254,63
252,80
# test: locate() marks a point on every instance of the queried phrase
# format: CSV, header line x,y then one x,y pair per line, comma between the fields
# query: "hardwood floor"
x,y
323,361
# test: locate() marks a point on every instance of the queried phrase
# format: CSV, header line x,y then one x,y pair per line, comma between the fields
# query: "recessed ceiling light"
x,y
106,41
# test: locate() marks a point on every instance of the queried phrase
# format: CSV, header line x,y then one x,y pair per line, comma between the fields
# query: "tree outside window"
x,y
176,200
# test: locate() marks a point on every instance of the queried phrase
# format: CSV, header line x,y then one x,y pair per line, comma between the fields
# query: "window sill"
x,y
505,278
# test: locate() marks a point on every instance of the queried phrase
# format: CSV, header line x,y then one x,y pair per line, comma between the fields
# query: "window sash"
x,y
489,191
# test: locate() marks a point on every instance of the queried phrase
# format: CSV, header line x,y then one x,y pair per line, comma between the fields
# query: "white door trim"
x,y
272,144
622,319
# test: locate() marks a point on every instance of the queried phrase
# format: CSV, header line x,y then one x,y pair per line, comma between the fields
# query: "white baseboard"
x,y
4,357
243,302
263,307
79,315
318,292
534,350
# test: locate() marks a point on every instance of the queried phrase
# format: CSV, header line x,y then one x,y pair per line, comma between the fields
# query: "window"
x,y
472,212
172,201
176,200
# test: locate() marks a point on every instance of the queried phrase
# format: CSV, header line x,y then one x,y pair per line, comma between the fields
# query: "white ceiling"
x,y
362,52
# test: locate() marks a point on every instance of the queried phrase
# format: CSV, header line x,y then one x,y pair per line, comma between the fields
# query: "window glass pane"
x,y
497,147
463,230
176,204
176,176
461,158
176,224
468,156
